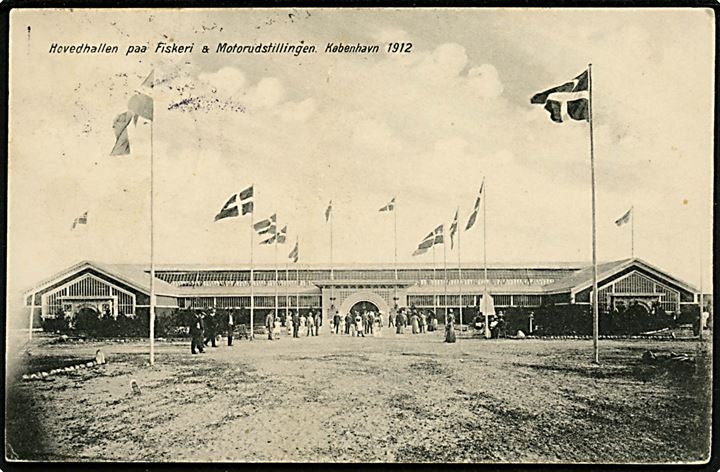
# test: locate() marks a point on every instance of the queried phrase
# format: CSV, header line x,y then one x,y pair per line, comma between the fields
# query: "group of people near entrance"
x,y
205,327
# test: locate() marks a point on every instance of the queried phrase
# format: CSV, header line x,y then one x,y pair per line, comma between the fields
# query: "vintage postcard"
x,y
360,235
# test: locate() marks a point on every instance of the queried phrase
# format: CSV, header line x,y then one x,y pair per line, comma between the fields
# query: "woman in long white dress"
x,y
288,324
276,328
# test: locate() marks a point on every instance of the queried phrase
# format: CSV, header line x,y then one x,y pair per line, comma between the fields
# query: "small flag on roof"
x,y
389,207
625,218
267,225
476,208
328,211
453,228
80,220
295,253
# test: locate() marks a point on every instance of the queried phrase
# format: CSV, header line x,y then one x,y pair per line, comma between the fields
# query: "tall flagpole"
x,y
460,316
434,278
445,304
702,301
287,289
395,297
276,273
152,248
252,272
332,273
596,316
632,233
486,292
297,278
32,314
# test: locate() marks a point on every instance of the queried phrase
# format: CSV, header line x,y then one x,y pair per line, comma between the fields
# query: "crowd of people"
x,y
206,327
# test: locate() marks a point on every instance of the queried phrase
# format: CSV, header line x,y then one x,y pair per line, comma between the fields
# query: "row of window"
x,y
496,276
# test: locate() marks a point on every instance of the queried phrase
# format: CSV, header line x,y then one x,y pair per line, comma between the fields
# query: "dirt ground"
x,y
390,399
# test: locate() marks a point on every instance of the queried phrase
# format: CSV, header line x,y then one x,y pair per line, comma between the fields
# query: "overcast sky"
x,y
424,127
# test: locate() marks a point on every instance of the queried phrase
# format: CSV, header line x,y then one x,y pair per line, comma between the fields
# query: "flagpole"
x,y
276,275
632,234
395,297
485,293
459,270
287,289
445,304
594,230
252,273
332,273
32,313
297,278
434,278
152,247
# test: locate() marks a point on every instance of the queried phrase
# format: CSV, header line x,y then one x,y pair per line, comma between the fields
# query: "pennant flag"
x,y
122,143
453,228
294,253
389,207
278,238
80,220
476,208
439,235
246,200
569,99
149,80
266,226
425,244
625,218
229,210
328,211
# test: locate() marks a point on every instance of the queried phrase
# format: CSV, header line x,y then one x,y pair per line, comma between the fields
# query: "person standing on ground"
x,y
359,329
296,324
277,325
392,316
270,324
380,321
336,322
422,323
196,334
289,323
310,323
414,323
318,321
210,326
349,320
230,327
450,328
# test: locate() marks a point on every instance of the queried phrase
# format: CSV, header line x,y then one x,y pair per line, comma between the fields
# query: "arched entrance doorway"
x,y
364,305
372,299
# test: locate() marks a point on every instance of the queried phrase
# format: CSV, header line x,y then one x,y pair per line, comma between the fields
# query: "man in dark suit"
x,y
196,334
211,328
296,324
230,327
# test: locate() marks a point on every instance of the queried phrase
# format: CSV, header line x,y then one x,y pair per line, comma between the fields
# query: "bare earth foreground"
x,y
391,398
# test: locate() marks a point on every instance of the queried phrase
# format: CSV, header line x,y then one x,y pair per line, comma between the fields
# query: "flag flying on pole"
x,y
476,208
389,207
625,218
80,220
567,100
453,229
295,253
229,210
139,104
328,211
439,239
280,237
425,244
246,200
266,226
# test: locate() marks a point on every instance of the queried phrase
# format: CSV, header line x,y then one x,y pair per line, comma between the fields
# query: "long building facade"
x,y
123,289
